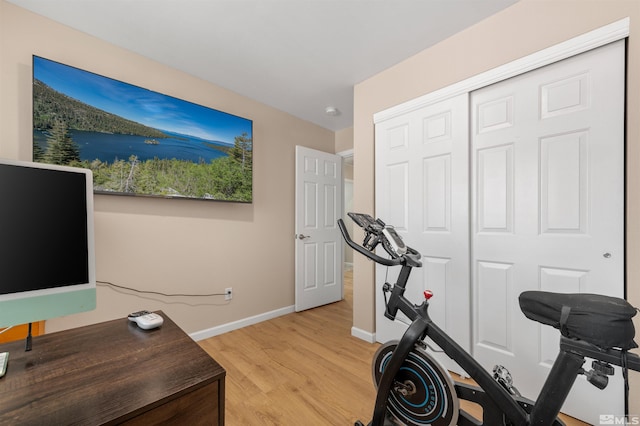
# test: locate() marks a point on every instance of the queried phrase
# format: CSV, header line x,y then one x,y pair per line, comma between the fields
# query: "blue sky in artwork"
x,y
143,106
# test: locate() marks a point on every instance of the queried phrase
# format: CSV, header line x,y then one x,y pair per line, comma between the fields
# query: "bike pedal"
x,y
602,367
502,376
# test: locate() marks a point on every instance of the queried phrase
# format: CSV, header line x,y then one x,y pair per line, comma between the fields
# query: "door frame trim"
x,y
580,44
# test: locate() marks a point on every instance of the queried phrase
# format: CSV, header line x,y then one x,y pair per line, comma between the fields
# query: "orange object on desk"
x,y
18,332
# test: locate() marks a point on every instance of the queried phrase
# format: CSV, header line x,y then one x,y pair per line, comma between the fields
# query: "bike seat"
x,y
601,320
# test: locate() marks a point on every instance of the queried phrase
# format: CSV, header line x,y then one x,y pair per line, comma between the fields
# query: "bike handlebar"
x,y
412,257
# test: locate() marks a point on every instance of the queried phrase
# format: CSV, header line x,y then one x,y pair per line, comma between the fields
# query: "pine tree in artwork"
x,y
242,151
61,149
38,152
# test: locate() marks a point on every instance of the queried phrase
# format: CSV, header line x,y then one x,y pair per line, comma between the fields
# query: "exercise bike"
x,y
414,389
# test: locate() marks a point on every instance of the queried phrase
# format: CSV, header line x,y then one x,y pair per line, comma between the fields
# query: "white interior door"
x,y
548,211
318,251
423,168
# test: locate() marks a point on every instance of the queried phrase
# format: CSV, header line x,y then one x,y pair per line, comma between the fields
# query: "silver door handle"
x,y
303,237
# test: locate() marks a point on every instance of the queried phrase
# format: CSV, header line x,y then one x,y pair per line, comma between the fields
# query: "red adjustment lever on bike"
x,y
428,294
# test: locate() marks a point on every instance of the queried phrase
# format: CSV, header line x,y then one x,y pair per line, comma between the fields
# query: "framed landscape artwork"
x,y
137,141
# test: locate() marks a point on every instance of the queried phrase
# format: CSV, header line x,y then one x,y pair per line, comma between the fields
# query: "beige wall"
x,y
522,29
344,139
171,246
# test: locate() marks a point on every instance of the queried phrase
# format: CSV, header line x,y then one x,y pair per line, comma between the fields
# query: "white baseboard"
x,y
235,325
364,335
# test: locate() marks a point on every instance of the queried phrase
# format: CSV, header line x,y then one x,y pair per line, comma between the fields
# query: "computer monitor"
x,y
47,256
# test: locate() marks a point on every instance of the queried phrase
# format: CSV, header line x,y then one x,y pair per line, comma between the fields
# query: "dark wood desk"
x,y
112,373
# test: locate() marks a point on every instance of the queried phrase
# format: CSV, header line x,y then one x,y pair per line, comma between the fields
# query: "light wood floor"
x,y
301,368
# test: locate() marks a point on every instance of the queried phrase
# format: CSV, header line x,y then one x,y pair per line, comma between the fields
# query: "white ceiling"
x,y
298,56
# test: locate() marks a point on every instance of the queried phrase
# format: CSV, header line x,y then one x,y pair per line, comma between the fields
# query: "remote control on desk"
x,y
4,358
146,320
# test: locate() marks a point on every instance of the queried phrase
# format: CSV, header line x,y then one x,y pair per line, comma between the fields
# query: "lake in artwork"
x,y
111,147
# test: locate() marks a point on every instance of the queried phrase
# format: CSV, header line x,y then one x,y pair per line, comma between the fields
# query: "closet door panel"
x,y
547,189
429,207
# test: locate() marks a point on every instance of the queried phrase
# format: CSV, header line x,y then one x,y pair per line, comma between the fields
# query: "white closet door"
x,y
548,211
423,180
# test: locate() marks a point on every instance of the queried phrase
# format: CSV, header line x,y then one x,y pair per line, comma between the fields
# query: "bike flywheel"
x,y
422,393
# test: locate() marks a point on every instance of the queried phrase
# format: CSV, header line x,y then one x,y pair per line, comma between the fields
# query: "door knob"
x,y
303,237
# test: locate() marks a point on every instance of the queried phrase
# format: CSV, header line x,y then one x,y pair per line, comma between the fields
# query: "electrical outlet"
x,y
228,293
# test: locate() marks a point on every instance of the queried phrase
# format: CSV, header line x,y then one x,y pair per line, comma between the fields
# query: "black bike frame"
x,y
499,407
421,326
